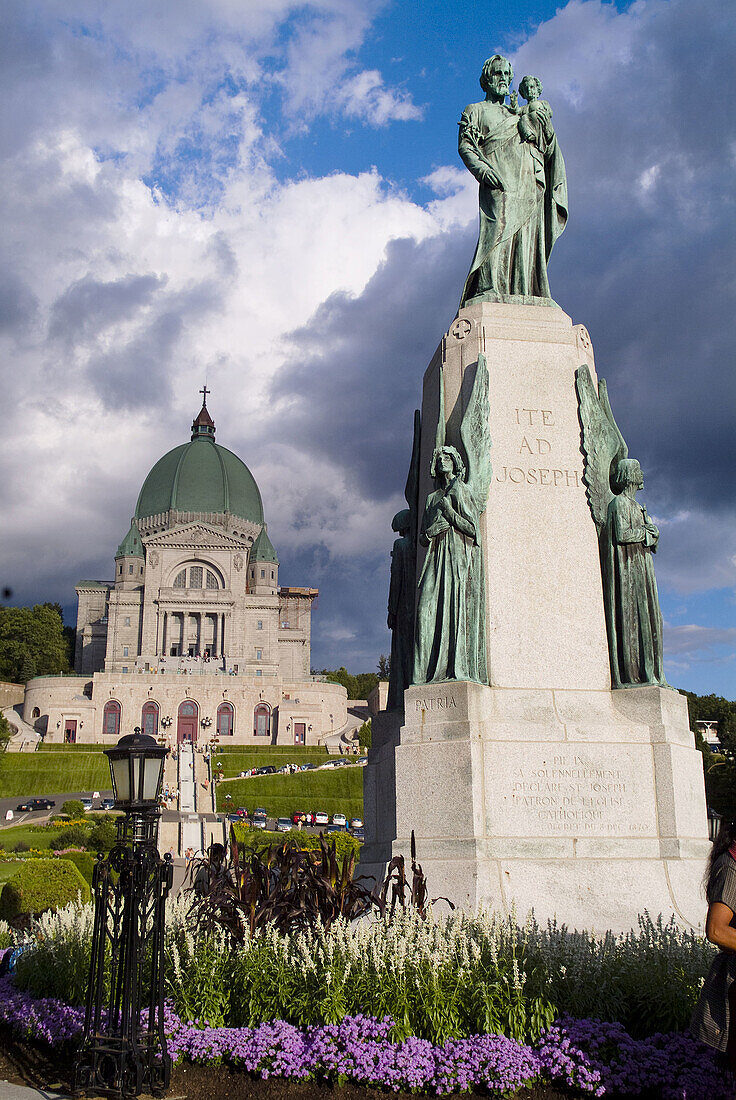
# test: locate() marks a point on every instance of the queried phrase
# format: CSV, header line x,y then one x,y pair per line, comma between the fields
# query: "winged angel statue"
x,y
450,619
627,539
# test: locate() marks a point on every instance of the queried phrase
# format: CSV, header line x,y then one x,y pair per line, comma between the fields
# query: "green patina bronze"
x,y
627,540
513,153
450,617
402,589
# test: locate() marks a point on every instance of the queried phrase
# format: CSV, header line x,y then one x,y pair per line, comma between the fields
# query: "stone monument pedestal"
x,y
584,806
545,790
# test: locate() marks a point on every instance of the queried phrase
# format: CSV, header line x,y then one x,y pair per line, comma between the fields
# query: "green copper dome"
x,y
200,476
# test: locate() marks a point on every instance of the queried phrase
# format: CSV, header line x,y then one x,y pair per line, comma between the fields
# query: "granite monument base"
x,y
585,806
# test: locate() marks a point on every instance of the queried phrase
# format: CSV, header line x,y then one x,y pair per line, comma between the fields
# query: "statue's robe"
x,y
633,616
519,225
450,639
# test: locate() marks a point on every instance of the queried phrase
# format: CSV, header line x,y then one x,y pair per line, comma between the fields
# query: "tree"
x,y
74,809
357,687
32,642
719,768
6,732
384,667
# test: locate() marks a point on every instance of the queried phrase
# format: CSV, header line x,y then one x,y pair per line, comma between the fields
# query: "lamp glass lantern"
x,y
137,771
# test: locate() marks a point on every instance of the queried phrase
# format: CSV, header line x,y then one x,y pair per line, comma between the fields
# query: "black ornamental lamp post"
x,y
120,1055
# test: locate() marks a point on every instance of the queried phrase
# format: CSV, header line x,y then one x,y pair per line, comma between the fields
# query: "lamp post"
x,y
120,1056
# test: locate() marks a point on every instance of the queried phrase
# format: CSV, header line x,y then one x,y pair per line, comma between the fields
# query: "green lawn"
x,y
338,791
33,835
32,775
233,763
81,747
295,751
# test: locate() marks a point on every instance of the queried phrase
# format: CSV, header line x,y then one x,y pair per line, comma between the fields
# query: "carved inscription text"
x,y
537,439
571,795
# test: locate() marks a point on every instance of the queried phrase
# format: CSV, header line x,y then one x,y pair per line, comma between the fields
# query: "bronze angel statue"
x,y
450,618
627,538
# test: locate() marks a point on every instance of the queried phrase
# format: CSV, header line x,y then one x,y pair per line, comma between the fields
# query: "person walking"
x,y
714,1019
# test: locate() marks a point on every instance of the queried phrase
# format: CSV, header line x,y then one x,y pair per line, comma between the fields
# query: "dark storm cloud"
x,y
89,305
647,261
354,378
18,304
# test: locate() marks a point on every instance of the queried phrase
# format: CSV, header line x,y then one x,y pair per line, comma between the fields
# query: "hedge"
x,y
41,884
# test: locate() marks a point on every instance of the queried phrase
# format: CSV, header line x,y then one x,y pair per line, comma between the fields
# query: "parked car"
x,y
308,767
283,825
87,803
259,819
321,818
284,770
362,761
108,803
34,804
359,834
340,819
356,823
330,764
335,829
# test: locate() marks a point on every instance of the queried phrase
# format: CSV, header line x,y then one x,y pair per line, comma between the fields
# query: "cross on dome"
x,y
204,425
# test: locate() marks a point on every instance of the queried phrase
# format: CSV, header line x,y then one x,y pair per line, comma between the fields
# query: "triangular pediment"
x,y
195,536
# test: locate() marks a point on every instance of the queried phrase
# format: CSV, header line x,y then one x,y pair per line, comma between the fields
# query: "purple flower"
x,y
596,1057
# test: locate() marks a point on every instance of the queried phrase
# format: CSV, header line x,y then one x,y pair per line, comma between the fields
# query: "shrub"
x,y
42,884
73,808
102,835
21,846
73,836
84,862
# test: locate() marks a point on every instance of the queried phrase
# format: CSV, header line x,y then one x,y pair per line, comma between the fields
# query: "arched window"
x,y
195,576
149,718
212,580
180,580
111,719
225,720
262,720
35,713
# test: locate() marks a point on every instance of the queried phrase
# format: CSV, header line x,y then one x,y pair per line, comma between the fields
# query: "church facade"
x,y
195,637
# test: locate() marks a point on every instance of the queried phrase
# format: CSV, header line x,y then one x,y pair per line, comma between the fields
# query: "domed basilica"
x,y
195,636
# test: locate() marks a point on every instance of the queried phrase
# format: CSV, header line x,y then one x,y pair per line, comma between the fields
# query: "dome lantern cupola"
x,y
204,426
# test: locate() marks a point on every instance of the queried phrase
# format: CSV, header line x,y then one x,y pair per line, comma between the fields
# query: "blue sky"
x,y
268,195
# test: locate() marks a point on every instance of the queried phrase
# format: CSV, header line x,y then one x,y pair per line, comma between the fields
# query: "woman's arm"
x,y
718,926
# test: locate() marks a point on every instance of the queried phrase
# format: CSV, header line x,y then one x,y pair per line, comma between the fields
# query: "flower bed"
x,y
597,1058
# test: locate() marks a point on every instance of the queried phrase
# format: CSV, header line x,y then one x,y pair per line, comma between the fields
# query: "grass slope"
x,y
83,746
34,774
33,835
293,752
233,763
338,791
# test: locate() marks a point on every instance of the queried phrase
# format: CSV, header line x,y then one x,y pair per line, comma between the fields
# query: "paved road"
x,y
40,816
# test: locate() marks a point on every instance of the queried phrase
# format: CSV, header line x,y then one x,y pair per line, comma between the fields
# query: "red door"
x,y
186,727
299,732
70,731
